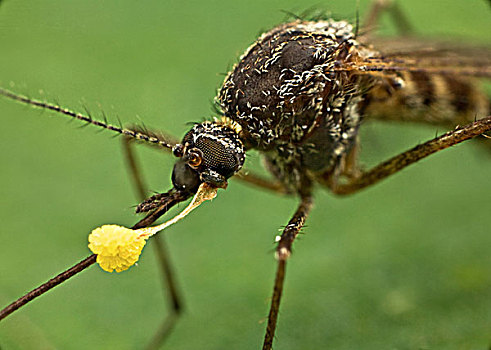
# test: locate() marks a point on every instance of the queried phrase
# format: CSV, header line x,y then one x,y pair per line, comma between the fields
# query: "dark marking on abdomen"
x,y
424,87
460,93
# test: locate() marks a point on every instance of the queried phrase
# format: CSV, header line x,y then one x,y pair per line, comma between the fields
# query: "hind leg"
x,y
399,162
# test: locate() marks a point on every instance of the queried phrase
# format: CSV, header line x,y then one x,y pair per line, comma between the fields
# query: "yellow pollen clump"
x,y
117,247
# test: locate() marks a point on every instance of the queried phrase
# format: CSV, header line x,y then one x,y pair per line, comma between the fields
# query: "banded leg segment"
x,y
407,158
283,251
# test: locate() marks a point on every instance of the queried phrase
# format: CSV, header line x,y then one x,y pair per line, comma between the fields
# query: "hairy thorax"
x,y
292,101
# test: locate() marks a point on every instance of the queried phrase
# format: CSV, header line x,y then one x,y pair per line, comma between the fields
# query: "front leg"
x,y
261,182
283,251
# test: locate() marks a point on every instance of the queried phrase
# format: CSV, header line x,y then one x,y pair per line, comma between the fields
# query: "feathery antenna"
x,y
138,135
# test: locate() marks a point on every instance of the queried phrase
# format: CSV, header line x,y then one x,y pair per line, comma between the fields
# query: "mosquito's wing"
x,y
427,81
433,57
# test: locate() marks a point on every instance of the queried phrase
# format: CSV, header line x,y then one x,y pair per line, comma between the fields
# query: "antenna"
x,y
138,135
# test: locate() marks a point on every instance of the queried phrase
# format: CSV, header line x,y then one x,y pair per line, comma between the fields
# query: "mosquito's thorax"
x,y
291,102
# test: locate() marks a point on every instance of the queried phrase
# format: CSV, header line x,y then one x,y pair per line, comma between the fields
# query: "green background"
x,y
403,265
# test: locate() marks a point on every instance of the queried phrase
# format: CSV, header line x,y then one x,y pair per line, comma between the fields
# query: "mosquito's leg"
x,y
261,182
409,157
162,254
378,7
350,167
283,251
134,170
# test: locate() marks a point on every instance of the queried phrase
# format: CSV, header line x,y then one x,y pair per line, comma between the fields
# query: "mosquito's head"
x,y
210,152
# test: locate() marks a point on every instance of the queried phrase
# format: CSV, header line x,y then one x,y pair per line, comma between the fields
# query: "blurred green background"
x,y
403,265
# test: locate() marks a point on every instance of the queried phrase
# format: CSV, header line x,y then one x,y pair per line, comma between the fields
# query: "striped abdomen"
x,y
429,98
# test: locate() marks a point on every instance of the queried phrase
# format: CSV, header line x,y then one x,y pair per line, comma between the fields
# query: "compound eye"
x,y
217,157
195,158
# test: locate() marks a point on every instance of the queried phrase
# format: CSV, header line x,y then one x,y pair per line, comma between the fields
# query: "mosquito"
x,y
298,96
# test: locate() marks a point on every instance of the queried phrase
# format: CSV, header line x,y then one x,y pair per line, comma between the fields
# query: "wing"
x,y
425,81
430,56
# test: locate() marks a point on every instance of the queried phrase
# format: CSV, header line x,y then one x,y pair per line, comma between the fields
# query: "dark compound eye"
x,y
217,156
213,151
